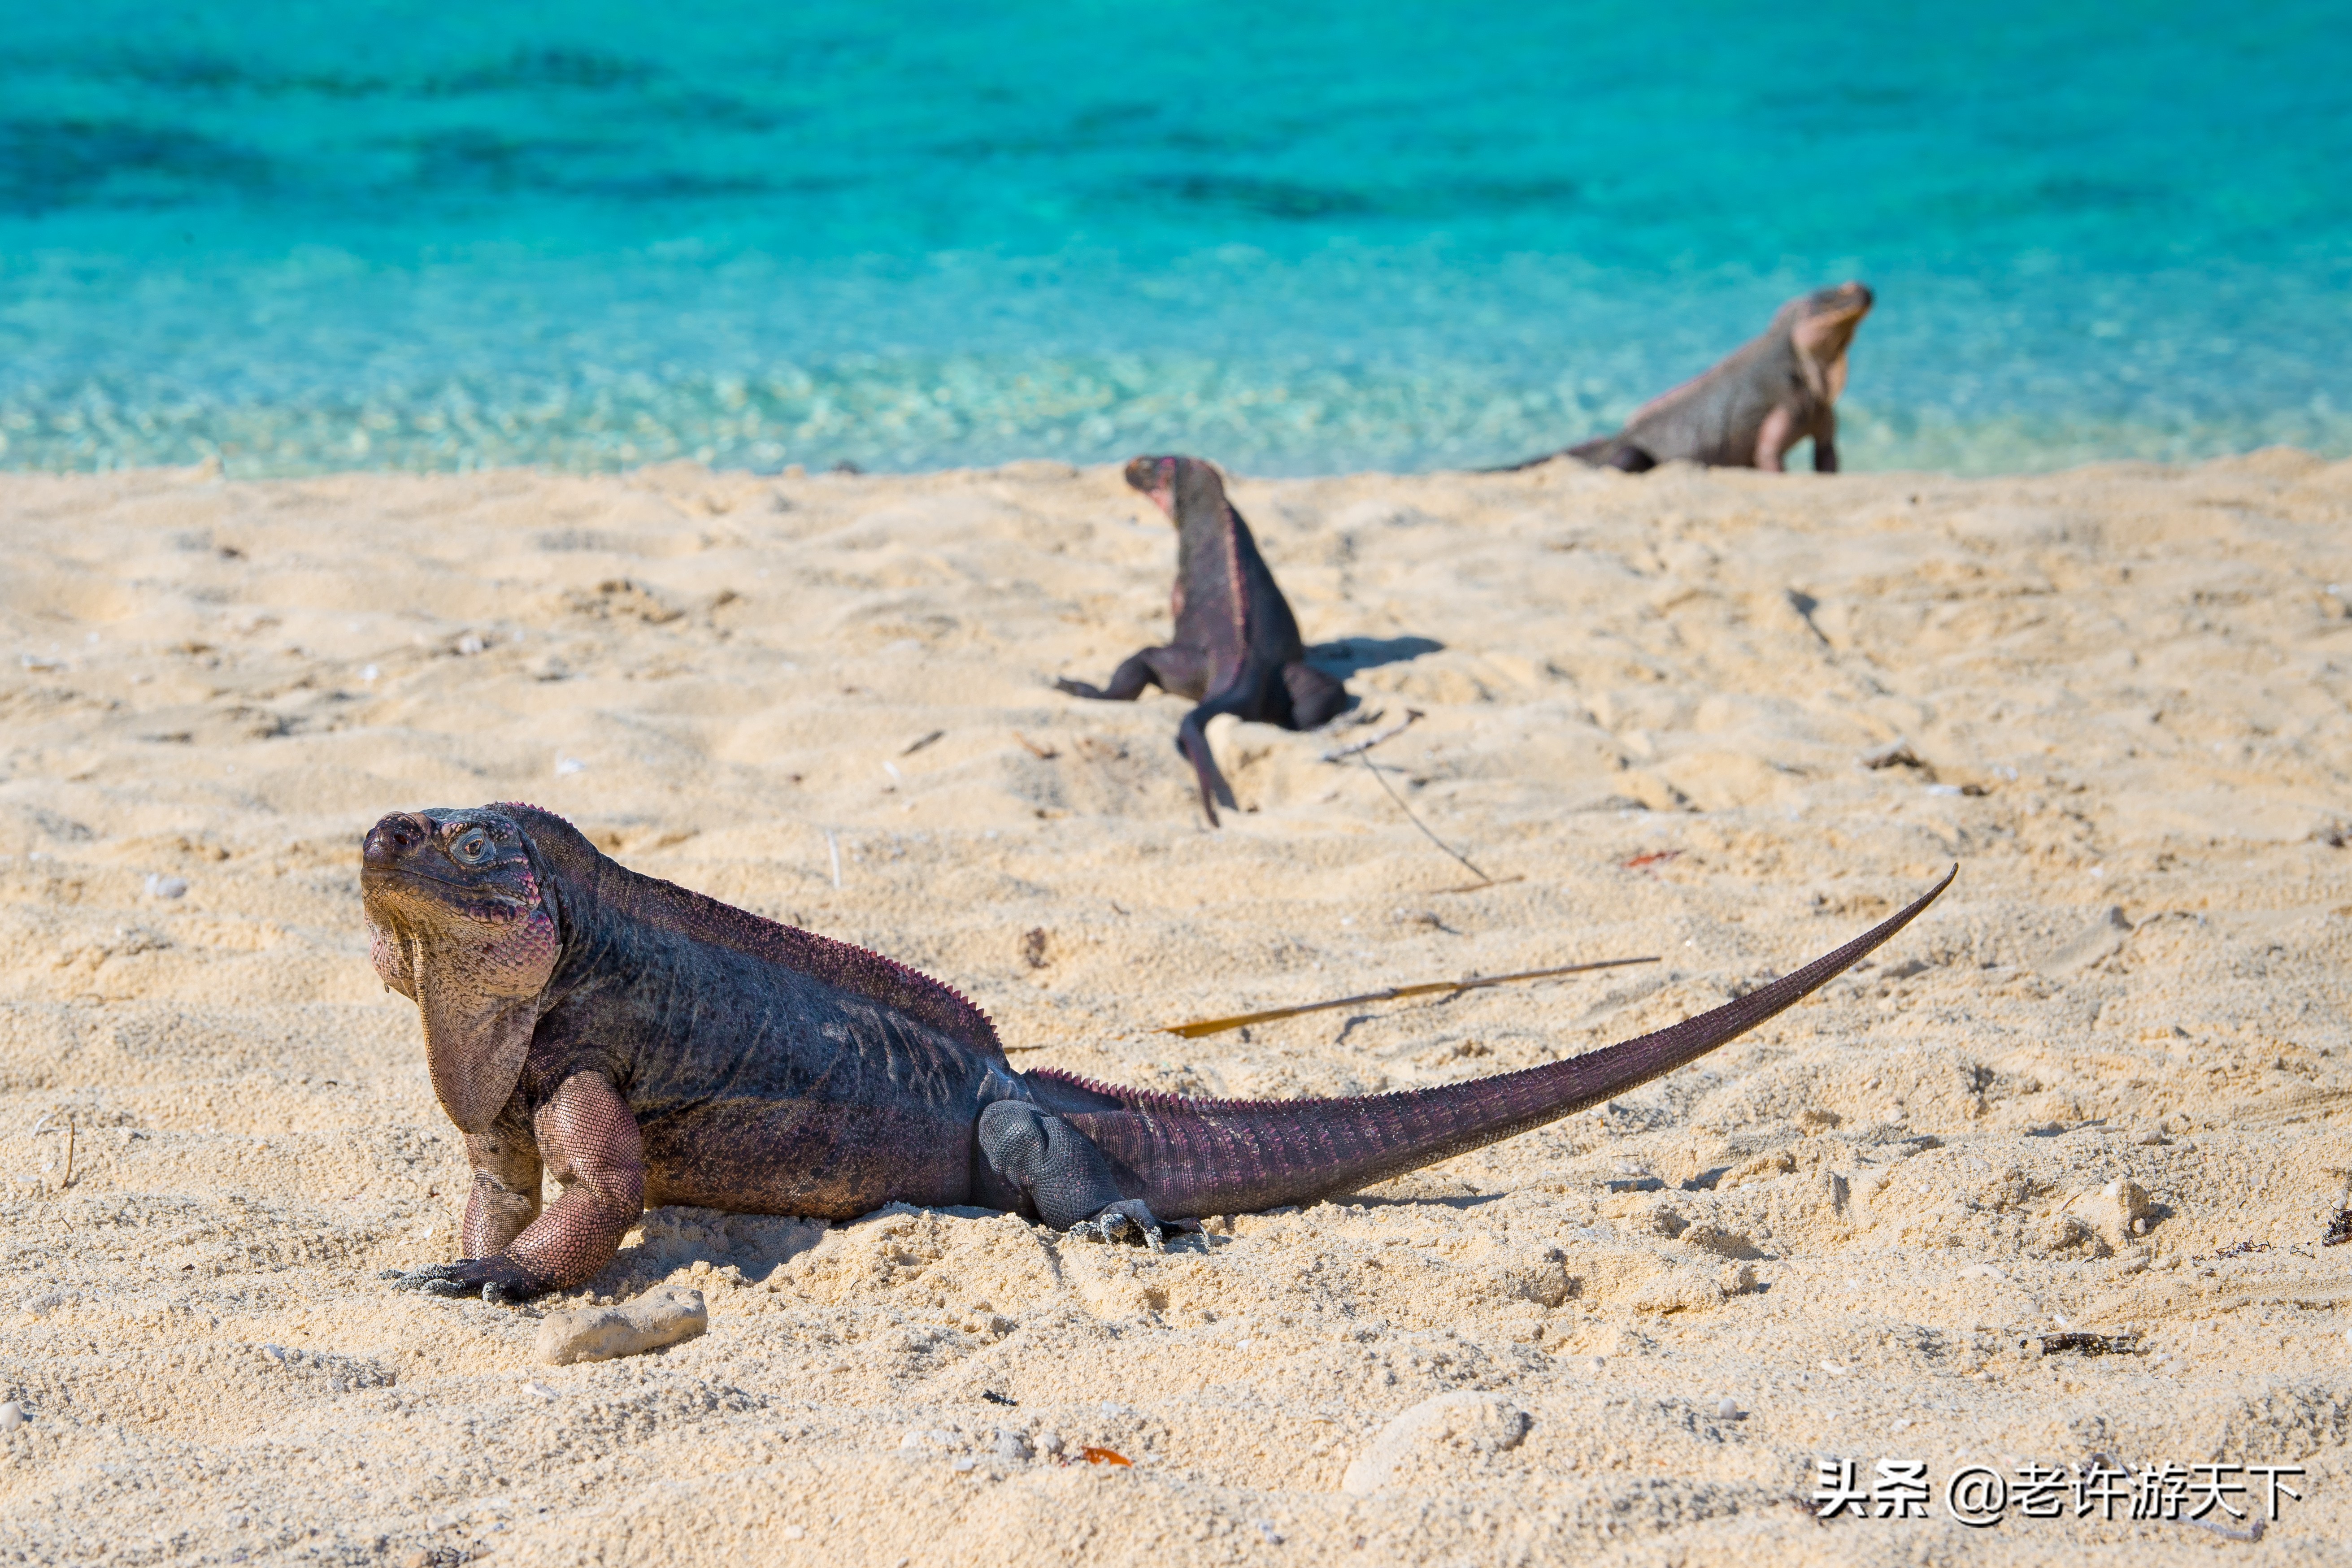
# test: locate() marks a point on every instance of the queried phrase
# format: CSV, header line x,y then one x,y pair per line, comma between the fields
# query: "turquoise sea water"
x,y
1305,239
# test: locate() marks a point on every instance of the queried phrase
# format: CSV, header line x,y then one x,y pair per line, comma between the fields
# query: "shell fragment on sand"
x,y
1486,1423
662,1316
2102,939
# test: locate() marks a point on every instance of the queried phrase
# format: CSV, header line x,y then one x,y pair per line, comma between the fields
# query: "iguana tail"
x,y
1193,741
1191,1157
1600,452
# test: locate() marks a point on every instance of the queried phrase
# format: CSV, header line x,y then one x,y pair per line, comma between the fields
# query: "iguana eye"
x,y
473,847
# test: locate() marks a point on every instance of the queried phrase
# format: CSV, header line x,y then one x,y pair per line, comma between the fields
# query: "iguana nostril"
x,y
393,836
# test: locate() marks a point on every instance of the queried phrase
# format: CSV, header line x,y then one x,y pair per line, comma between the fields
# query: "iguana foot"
x,y
495,1279
1128,1221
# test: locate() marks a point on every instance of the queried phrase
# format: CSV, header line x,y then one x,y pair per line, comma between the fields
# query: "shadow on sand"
x,y
1349,655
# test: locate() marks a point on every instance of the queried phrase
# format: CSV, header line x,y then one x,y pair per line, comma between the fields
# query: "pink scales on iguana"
x,y
645,1044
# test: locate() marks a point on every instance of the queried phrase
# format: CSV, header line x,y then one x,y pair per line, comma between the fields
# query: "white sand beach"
x,y
2105,1086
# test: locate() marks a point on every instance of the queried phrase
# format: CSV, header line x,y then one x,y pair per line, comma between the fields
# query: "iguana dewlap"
x,y
1771,393
645,1044
1236,649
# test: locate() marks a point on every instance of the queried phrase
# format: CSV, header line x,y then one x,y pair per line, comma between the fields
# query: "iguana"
x,y
1771,393
646,1045
1236,649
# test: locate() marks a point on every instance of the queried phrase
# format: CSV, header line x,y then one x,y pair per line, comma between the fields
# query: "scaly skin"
x,y
1746,413
1238,649
646,1045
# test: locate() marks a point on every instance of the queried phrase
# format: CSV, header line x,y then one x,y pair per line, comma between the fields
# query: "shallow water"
x,y
1315,239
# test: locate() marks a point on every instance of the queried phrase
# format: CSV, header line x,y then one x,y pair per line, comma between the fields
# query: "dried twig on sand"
x,y
1195,1030
1481,887
1341,754
1475,870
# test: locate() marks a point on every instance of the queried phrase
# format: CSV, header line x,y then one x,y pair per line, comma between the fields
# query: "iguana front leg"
x,y
593,1149
506,1187
1171,669
1774,437
503,1202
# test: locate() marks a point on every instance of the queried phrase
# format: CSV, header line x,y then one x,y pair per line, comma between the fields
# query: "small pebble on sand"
x,y
662,1316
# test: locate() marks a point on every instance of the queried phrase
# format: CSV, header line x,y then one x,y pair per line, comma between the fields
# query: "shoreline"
x,y
709,433
1726,717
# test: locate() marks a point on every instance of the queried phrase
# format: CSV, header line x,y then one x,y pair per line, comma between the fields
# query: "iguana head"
x,y
458,922
1178,486
1821,327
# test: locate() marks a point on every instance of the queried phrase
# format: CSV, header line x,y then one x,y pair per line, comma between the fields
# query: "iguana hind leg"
x,y
1315,696
1062,1174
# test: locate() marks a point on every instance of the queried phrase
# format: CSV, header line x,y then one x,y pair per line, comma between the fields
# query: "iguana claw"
x,y
1117,1228
1129,1222
496,1280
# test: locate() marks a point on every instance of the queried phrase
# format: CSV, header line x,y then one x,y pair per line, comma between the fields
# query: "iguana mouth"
x,y
460,898
1847,302
416,876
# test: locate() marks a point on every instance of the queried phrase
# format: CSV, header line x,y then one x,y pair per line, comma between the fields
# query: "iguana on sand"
x,y
646,1045
1771,393
1237,650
